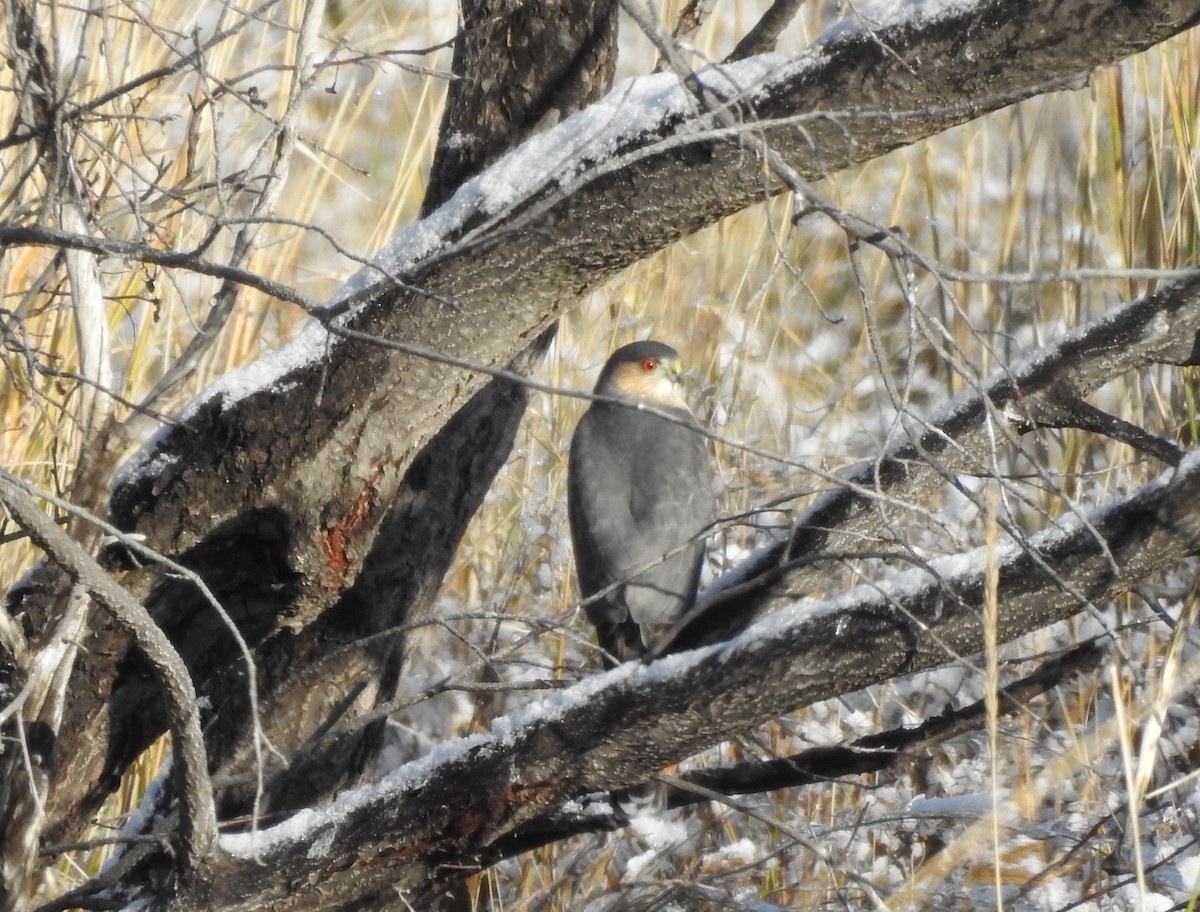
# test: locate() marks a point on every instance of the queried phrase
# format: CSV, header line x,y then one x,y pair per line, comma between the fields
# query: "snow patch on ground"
x,y
738,852
963,806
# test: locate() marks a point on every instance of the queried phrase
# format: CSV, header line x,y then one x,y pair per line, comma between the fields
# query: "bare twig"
x,y
766,31
21,235
182,63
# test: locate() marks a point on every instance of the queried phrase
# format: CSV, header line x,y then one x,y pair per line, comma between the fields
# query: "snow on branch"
x,y
1162,327
624,725
633,173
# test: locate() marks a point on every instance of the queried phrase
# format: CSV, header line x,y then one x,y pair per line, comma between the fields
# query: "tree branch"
x,y
622,726
198,826
874,753
765,33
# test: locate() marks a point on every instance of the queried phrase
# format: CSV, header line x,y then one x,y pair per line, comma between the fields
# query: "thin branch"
x,y
766,31
138,548
1158,328
28,236
1072,412
183,62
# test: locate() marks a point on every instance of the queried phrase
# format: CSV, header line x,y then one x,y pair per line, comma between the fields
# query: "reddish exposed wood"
x,y
336,540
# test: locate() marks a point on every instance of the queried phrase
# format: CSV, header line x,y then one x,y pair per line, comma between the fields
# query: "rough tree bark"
x,y
315,523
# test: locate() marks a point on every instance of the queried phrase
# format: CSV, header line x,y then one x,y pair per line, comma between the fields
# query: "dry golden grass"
x,y
771,319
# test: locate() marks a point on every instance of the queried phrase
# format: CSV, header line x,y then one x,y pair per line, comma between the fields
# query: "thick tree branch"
x,y
198,826
871,754
1075,413
622,726
520,67
1161,328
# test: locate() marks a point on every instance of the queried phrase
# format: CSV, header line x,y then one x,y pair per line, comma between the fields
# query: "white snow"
x,y
308,347
320,846
1143,901
140,820
738,852
323,822
879,14
1189,873
577,150
639,864
659,831
962,806
267,372
309,825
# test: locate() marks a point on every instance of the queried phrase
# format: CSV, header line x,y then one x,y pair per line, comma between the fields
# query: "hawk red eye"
x,y
649,365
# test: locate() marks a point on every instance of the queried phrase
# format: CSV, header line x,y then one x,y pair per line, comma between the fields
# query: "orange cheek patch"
x,y
654,386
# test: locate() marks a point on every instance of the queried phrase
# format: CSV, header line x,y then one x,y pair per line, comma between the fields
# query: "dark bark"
x,y
765,33
521,66
442,490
